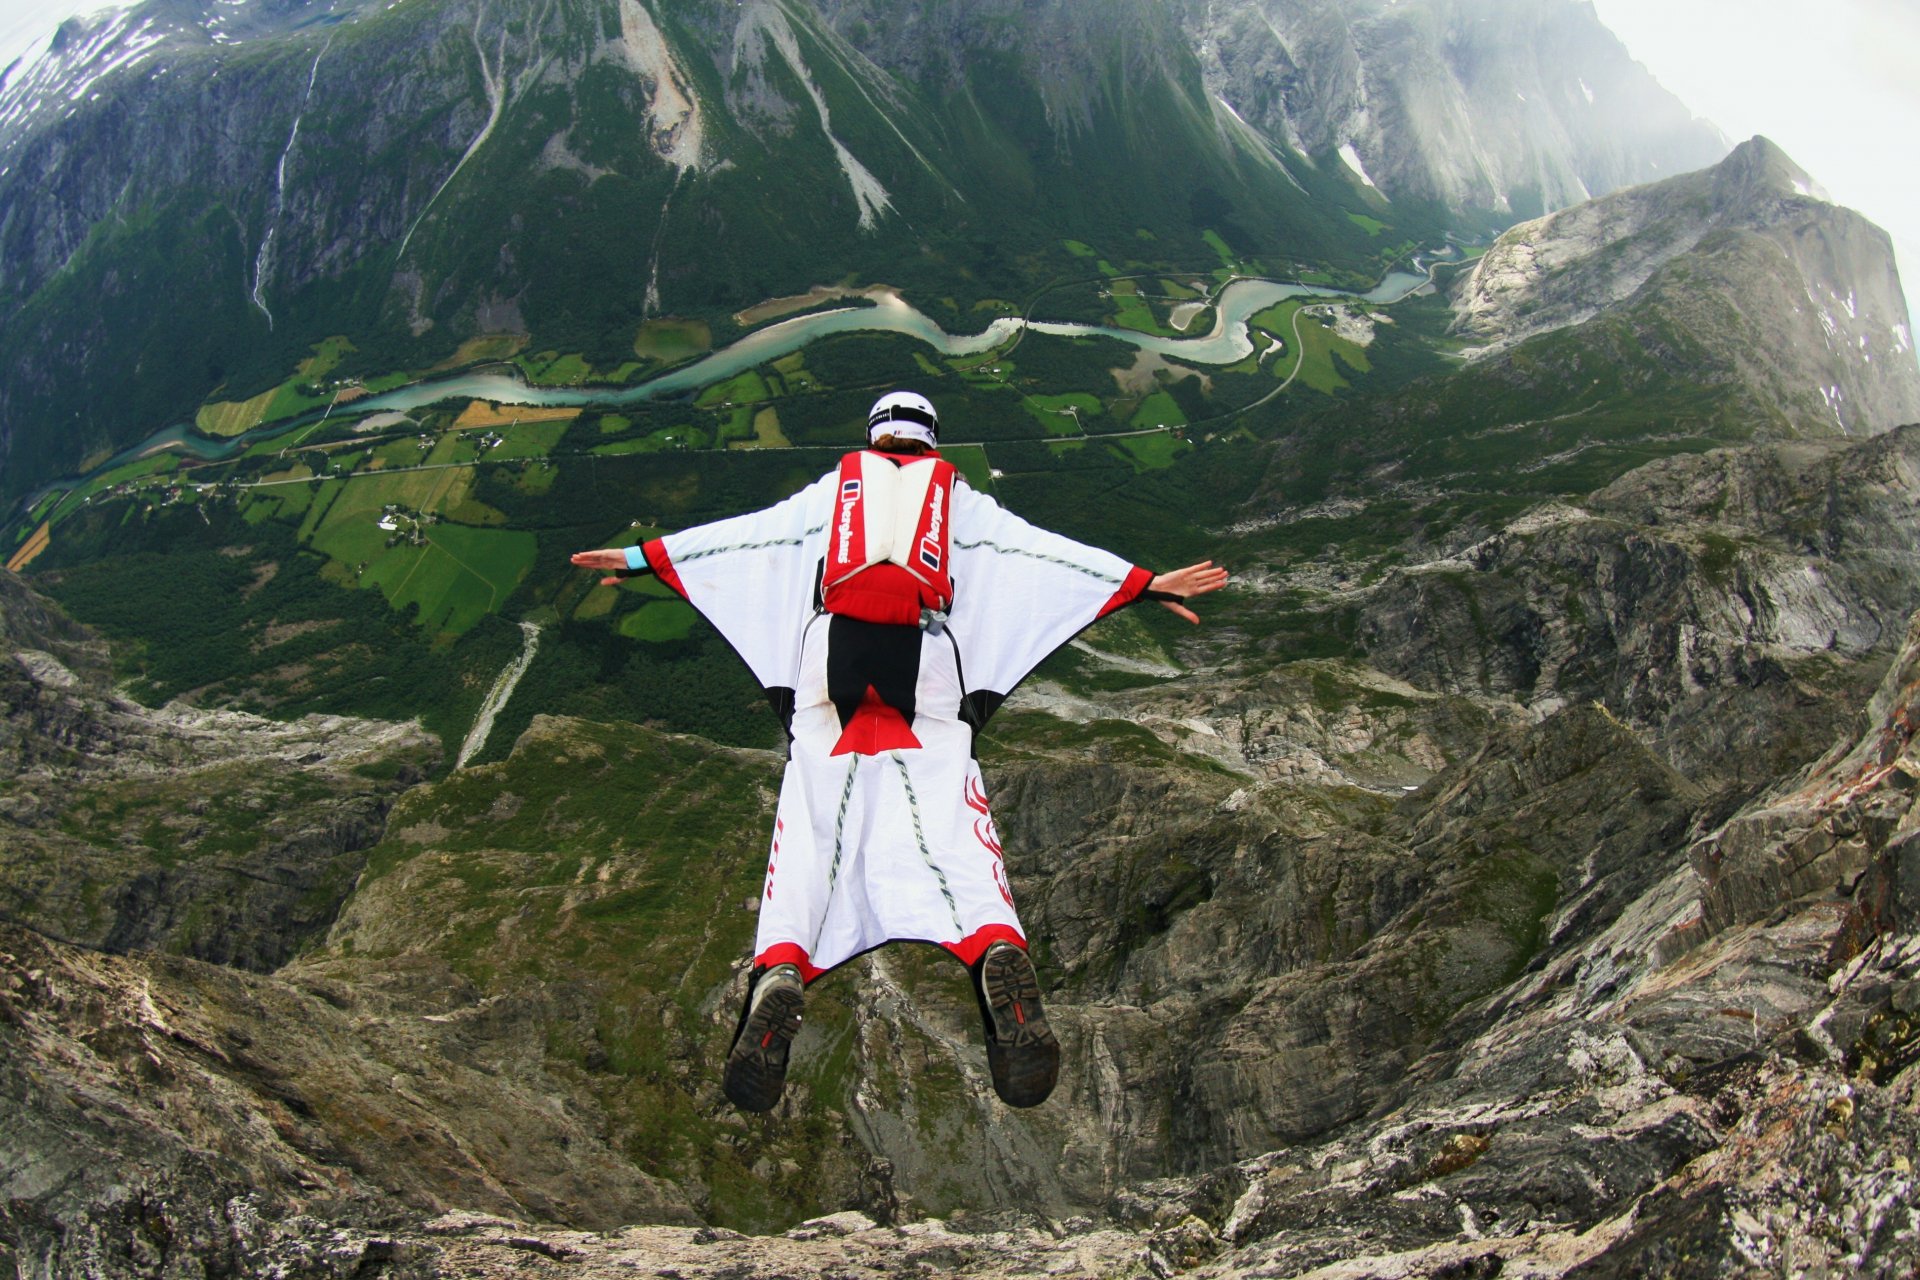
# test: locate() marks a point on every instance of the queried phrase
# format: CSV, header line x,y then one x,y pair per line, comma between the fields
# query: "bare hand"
x,y
608,559
1194,580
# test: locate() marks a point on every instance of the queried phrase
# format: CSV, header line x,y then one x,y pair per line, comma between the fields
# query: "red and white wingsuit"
x,y
883,830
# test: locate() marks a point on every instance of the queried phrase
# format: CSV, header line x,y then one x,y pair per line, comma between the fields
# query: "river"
x,y
1228,343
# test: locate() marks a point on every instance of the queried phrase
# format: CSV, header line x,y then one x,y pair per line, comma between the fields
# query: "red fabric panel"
x,y
875,727
788,953
662,565
880,593
927,558
1137,580
975,944
847,531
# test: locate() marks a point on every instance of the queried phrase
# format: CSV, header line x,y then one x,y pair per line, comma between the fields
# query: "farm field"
x,y
1319,348
480,413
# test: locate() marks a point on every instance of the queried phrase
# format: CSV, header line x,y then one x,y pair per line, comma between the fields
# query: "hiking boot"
x,y
757,1063
1022,1053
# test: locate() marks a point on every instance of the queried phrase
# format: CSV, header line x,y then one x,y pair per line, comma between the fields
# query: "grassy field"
x,y
1151,453
492,346
1051,411
528,440
794,376
673,438
744,388
766,431
659,620
232,417
554,369
1228,258
481,413
1131,311
970,460
1158,410
671,341
1319,347
456,578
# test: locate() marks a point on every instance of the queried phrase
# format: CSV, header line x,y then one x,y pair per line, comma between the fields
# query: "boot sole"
x,y
1023,1054
757,1065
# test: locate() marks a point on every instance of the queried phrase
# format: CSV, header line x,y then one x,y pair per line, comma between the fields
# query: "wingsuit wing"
x,y
1020,592
752,576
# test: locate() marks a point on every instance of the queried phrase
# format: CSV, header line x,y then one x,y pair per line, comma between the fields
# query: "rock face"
x,y
1771,578
216,834
1829,335
1588,1001
162,1113
1511,106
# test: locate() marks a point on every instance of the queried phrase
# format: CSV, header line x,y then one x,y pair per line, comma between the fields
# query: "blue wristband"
x,y
636,559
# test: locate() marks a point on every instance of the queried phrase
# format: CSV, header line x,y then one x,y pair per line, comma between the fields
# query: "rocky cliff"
x,y
1513,107
1591,999
1822,332
215,834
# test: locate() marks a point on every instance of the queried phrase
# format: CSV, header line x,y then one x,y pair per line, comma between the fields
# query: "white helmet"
x,y
906,415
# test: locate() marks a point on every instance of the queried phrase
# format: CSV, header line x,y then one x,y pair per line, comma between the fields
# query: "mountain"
x,y
1512,108
1821,334
413,176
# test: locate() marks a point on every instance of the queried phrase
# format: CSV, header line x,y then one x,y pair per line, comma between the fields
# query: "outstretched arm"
x,y
1174,588
615,562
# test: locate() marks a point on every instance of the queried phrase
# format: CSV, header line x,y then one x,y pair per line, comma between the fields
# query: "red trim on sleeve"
x,y
1137,580
662,565
975,944
789,953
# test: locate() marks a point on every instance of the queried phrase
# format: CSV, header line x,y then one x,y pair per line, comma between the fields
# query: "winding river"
x,y
1229,342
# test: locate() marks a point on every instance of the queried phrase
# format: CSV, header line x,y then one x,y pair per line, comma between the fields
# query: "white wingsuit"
x,y
877,839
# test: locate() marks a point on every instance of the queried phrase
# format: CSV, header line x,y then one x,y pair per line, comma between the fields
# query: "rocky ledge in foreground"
x,y
1718,1080
1703,1064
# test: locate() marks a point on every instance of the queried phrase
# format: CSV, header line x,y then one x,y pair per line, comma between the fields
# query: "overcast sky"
x,y
1835,83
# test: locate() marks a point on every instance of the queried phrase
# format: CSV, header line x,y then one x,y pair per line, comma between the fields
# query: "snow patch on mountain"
x,y
1250,139
65,72
678,126
1351,158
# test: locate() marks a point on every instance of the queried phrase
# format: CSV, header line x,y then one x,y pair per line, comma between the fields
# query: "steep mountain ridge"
x,y
1825,326
1515,107
1755,575
496,183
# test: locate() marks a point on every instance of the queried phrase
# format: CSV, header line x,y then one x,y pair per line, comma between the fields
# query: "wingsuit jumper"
x,y
888,609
